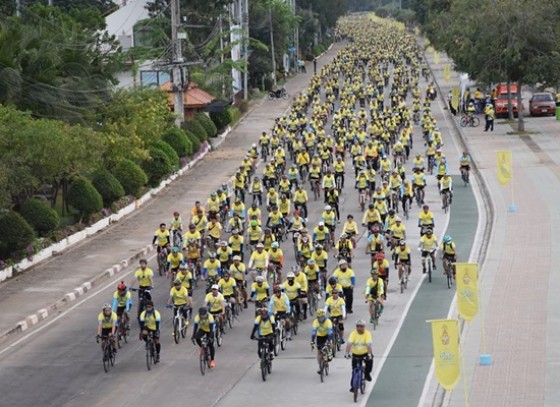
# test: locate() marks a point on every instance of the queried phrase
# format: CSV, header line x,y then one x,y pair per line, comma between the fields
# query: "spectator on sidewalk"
x,y
315,66
478,100
450,102
490,115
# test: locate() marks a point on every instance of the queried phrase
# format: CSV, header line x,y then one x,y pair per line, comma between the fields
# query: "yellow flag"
x,y
504,167
447,73
455,94
466,277
445,335
436,57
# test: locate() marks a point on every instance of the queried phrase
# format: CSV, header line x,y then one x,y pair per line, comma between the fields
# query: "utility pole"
x,y
51,3
245,26
176,62
18,8
272,47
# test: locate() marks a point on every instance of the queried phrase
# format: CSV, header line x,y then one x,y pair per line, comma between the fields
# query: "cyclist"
x,y
179,299
425,220
204,325
236,244
371,217
185,275
150,319
224,254
446,187
213,205
214,231
335,306
228,288
259,260
161,238
257,191
321,234
192,234
212,269
174,260
381,265
145,278
276,260
359,344
215,303
347,279
374,293
260,291
176,227
321,334
107,321
376,243
279,307
238,271
350,228
449,252
236,223
275,222
320,257
293,291
465,163
344,249
428,245
301,279
254,233
300,200
265,325
122,303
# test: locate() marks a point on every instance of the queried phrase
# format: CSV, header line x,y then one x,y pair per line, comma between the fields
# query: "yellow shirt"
x,y
227,287
428,244
265,325
350,227
359,342
449,248
150,320
162,237
292,291
344,277
426,218
224,254
320,235
175,259
374,287
323,329
301,279
254,233
320,258
122,299
235,243
144,277
335,307
279,303
214,303
311,272
179,296
215,230
212,267
192,235
204,324
403,254
261,291
329,218
259,259
300,196
276,256
238,272
398,231
107,322
185,278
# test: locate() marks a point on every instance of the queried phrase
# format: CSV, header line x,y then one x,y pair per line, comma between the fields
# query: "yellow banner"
x,y
447,73
445,335
504,167
455,95
466,277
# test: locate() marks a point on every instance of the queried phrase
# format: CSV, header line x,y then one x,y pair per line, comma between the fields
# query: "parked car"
x,y
501,103
542,104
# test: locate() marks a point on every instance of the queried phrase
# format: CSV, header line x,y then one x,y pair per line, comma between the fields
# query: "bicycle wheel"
x,y
321,369
475,121
362,386
283,340
176,333
230,318
119,338
219,337
264,369
355,389
149,355
464,121
203,362
268,365
430,271
185,325
402,284
295,325
106,360
276,345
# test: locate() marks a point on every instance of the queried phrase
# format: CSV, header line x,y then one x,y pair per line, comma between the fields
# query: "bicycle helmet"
x,y
212,255
175,249
342,262
447,239
259,279
318,246
275,245
277,288
379,256
175,213
234,232
177,282
260,246
328,208
332,280
360,322
223,243
402,242
202,311
121,286
107,306
236,258
254,223
343,236
290,275
397,219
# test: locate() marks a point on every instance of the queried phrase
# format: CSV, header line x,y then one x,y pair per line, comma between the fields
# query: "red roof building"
x,y
194,98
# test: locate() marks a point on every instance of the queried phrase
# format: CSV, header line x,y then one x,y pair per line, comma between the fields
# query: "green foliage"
x,y
206,122
169,152
234,114
195,128
221,119
40,216
16,233
195,142
131,177
108,186
83,197
177,138
157,167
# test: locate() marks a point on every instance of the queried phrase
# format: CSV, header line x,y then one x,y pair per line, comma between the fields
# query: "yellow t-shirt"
x,y
359,342
261,291
292,291
175,259
429,244
204,324
214,304
179,296
320,258
162,237
335,306
227,287
323,329
344,277
107,322
144,276
426,218
150,319
265,326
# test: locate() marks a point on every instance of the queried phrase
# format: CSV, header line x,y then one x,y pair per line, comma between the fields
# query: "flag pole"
x,y
512,207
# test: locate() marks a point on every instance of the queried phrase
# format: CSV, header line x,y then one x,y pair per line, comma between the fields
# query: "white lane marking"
x,y
24,325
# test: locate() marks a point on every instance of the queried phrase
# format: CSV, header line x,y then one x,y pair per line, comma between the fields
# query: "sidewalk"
x,y
519,293
60,280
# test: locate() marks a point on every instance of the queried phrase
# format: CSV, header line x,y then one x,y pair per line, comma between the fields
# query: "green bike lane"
x,y
400,381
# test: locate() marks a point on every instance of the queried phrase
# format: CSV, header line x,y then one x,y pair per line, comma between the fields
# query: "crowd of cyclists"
x,y
365,122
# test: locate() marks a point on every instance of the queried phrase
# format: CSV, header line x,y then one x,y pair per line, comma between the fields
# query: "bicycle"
x,y
358,377
448,270
280,339
429,264
162,261
204,355
336,336
180,323
144,295
362,199
404,272
465,175
229,316
313,298
471,121
122,329
264,355
324,359
109,354
374,312
445,199
150,351
294,320
316,188
219,331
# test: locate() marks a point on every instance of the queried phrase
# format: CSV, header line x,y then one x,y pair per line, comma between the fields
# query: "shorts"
x,y
405,262
216,313
425,253
106,331
120,310
321,341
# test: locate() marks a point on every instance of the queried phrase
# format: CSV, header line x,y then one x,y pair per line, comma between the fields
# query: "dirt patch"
x,y
227,153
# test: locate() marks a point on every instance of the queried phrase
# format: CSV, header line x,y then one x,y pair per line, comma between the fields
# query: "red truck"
x,y
501,103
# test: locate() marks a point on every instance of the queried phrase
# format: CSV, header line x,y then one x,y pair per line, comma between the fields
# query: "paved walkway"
x,y
50,281
519,291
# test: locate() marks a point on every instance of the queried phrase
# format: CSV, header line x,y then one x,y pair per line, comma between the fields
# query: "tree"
x,y
108,186
131,176
41,216
16,233
157,167
83,197
178,139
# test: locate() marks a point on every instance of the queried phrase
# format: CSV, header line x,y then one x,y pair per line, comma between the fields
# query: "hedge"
x,y
221,119
169,152
131,177
195,128
108,186
179,140
234,114
157,167
83,197
195,142
16,233
206,122
40,216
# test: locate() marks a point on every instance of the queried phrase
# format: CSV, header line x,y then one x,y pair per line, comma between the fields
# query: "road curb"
x,y
42,314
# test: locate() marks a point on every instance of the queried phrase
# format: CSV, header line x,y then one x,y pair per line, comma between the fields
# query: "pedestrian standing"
x,y
450,102
490,116
315,66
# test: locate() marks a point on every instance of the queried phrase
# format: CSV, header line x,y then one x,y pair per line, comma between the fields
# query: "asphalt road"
x,y
59,364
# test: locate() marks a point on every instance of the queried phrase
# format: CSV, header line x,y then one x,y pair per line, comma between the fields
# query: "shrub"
x,y
40,216
157,167
195,128
131,176
206,122
221,119
178,139
108,186
16,233
195,142
169,152
234,114
243,105
83,196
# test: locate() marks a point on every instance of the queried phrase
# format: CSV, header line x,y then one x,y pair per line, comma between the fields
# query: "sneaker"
x,y
351,390
350,311
368,377
319,296
424,270
212,364
318,372
371,320
157,358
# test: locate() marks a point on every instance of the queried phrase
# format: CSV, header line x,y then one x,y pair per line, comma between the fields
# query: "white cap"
x,y
215,287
